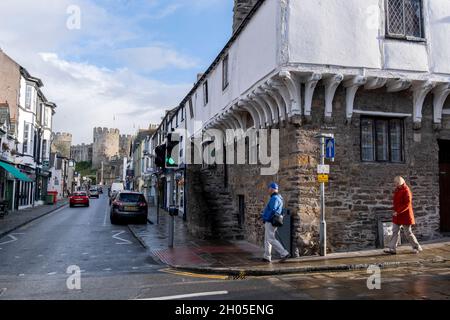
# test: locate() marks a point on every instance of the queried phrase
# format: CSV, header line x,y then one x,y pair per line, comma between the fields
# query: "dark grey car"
x,y
129,206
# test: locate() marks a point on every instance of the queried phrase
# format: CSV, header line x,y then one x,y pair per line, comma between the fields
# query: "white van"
x,y
117,186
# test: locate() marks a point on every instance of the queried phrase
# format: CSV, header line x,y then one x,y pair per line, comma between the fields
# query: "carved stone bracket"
x,y
440,93
352,86
375,83
310,86
294,87
420,90
396,85
331,84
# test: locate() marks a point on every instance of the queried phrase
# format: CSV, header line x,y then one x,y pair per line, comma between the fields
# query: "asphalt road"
x,y
113,265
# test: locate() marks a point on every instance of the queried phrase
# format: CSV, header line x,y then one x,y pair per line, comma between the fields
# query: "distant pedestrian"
x,y
403,217
274,207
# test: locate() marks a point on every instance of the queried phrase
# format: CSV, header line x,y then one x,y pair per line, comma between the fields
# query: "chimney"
x,y
241,10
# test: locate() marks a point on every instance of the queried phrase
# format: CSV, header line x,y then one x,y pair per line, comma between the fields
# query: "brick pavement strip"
x,y
18,219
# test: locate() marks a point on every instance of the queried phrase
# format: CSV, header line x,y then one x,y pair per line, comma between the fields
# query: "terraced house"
x,y
25,164
375,73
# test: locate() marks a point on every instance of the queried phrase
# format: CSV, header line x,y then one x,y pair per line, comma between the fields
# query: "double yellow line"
x,y
195,275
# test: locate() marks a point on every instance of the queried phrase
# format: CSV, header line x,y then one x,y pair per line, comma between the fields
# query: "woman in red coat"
x,y
403,217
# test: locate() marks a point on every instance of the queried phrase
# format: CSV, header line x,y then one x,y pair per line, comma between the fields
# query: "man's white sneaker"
x,y
390,251
417,250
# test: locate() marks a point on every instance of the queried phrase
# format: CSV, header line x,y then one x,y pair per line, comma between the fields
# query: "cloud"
x,y
95,74
155,58
104,97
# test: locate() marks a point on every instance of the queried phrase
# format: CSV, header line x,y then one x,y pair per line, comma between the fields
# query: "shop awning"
x,y
15,172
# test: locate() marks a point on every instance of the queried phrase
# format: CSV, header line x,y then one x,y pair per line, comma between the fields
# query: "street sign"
x,y
323,169
323,178
330,148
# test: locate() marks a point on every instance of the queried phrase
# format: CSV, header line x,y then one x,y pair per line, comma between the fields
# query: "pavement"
x,y
17,219
39,261
243,258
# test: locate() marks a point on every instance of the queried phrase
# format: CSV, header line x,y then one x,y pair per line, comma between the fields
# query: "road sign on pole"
x,y
330,148
327,149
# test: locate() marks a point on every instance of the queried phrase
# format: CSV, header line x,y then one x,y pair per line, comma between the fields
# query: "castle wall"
x,y
106,145
82,153
61,144
125,145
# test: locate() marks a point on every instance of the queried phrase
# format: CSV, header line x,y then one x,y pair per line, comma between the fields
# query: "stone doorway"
x,y
444,184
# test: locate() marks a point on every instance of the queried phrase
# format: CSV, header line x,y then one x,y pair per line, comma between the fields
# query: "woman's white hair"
x,y
399,181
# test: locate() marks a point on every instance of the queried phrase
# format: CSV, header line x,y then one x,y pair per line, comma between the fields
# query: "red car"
x,y
79,198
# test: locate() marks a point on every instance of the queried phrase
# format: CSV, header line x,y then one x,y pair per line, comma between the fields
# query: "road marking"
x,y
195,275
124,241
106,215
2,291
12,238
189,295
22,275
52,273
107,269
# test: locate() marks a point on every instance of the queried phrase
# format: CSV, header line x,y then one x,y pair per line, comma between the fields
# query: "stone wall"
x,y
357,192
125,145
105,147
61,143
82,152
241,10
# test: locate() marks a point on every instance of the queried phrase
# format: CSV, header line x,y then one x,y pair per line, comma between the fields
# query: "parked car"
x,y
128,205
93,193
79,198
112,196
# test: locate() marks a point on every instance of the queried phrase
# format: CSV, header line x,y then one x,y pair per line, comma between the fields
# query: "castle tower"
x,y
61,144
241,9
125,145
105,146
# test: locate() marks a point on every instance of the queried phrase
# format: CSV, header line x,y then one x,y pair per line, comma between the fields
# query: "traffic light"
x,y
160,158
172,151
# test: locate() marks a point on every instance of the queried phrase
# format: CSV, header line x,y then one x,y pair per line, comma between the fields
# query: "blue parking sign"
x,y
330,148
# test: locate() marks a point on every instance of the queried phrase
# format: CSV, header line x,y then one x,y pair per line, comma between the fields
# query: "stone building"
x,y
61,144
106,146
350,68
82,152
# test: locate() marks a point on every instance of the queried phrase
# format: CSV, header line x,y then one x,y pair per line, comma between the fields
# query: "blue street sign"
x,y
330,148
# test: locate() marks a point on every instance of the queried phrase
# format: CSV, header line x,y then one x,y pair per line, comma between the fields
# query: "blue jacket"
x,y
275,206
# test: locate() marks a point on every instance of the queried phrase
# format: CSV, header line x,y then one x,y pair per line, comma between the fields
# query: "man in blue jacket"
x,y
275,206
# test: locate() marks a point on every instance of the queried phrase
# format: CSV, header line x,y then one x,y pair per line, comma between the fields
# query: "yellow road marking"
x,y
195,275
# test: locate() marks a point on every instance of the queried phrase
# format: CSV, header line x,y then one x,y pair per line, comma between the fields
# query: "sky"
x,y
114,63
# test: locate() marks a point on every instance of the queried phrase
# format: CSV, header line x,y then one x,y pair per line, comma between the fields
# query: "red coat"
x,y
403,206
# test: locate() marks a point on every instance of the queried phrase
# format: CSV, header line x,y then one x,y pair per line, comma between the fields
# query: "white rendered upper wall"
x,y
351,33
252,56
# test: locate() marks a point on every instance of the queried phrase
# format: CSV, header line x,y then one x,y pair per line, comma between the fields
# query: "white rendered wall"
x,y
351,33
251,57
334,32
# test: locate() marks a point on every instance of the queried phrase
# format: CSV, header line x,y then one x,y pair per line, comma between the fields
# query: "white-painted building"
x,y
274,61
376,73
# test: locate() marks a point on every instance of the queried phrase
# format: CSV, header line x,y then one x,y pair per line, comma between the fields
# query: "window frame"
x,y
374,120
191,108
205,93
28,96
405,37
225,72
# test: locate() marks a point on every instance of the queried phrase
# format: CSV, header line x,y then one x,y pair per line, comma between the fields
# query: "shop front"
x,y
14,184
